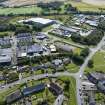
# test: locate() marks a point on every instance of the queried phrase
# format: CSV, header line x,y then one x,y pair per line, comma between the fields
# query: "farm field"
x,y
95,2
84,6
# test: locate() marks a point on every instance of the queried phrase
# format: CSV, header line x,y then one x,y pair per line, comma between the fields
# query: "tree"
x,y
90,64
84,52
76,37
67,85
78,59
12,77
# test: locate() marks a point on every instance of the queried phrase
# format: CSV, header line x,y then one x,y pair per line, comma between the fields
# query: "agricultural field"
x,y
84,6
95,2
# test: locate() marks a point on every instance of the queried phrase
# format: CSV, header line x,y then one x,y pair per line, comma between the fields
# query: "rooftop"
x,y
5,58
13,97
34,48
29,90
38,20
57,90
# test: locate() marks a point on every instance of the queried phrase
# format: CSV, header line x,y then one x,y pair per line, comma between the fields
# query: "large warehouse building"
x,y
38,22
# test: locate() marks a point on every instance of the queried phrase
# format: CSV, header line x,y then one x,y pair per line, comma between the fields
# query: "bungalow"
x,y
13,97
101,86
36,48
98,79
57,62
5,60
52,48
33,89
55,89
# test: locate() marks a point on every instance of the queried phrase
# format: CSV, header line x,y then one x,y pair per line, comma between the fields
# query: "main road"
x,y
79,74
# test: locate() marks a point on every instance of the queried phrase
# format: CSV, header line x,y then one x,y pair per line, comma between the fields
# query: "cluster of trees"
x,y
22,29
13,76
7,27
79,58
18,28
91,64
102,25
10,76
51,5
69,8
39,59
92,39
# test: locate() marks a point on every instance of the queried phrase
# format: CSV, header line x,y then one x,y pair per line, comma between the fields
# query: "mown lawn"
x,y
99,62
72,68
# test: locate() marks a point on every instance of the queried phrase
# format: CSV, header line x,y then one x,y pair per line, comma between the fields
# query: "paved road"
x,y
82,68
35,77
59,100
14,45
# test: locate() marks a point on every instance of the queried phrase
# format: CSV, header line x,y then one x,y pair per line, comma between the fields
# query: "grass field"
x,y
20,10
72,68
99,62
34,9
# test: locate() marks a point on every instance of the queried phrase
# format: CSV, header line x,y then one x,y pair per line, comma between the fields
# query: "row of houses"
x,y
28,91
88,19
98,79
56,63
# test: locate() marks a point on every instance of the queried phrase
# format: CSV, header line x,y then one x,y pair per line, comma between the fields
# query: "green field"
x,y
99,62
20,10
34,9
